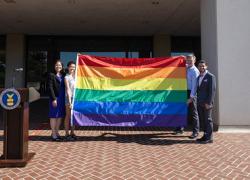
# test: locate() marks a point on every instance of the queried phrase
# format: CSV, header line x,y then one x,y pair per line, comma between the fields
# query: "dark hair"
x,y
70,62
59,61
203,62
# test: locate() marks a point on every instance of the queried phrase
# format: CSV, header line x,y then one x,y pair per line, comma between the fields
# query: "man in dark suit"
x,y
206,87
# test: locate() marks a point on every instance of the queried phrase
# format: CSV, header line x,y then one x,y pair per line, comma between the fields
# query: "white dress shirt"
x,y
192,74
201,77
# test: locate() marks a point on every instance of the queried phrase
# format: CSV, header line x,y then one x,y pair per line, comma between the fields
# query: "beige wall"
x,y
15,53
209,45
162,45
225,38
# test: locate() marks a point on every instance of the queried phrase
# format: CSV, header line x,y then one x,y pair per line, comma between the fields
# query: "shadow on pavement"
x,y
144,139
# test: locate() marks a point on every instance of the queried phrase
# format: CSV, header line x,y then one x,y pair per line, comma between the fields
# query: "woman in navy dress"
x,y
56,89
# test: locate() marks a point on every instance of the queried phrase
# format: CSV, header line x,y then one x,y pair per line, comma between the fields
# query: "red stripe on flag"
x,y
96,61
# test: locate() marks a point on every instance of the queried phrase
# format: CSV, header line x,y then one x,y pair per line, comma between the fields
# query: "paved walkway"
x,y
123,154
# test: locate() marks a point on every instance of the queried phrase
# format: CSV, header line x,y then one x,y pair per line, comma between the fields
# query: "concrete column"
x,y
162,45
15,58
225,41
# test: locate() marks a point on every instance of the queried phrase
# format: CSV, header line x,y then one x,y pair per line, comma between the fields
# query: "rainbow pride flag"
x,y
130,92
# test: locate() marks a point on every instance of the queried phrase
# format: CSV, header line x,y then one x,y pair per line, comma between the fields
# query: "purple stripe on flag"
x,y
131,120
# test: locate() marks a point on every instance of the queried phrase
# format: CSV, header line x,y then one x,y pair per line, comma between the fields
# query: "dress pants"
x,y
205,116
193,115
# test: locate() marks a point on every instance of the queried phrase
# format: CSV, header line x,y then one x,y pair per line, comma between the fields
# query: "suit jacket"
x,y
53,86
206,90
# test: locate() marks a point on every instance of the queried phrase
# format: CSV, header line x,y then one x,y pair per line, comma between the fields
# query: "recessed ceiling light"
x,y
155,2
72,1
10,1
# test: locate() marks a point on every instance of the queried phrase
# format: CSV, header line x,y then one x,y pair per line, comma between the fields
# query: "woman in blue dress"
x,y
56,90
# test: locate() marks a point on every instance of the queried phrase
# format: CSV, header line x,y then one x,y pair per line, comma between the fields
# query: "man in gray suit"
x,y
206,87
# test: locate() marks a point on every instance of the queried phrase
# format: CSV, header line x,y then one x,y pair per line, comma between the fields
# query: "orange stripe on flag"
x,y
131,73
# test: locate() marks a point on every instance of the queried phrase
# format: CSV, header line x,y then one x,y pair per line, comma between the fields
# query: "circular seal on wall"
x,y
10,99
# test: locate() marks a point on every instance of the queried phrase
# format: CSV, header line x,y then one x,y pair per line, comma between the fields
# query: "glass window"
x,y
69,56
107,54
2,61
2,68
37,70
133,54
180,53
187,44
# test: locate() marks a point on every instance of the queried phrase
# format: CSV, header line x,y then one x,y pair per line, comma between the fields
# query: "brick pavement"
x,y
123,154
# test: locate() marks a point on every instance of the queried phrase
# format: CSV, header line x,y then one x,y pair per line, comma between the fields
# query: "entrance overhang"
x,y
95,17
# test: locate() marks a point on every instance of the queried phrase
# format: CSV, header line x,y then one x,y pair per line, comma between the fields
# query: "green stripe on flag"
x,y
130,95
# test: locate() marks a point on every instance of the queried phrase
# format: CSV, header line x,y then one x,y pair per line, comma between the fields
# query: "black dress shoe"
x,y
206,141
59,137
194,135
56,139
203,138
73,136
68,138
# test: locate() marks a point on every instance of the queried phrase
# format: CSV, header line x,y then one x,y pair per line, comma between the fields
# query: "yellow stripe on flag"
x,y
134,84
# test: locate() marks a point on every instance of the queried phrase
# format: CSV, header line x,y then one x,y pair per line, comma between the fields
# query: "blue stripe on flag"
x,y
153,108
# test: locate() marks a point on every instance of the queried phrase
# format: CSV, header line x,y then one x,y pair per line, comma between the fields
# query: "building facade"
x,y
33,34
